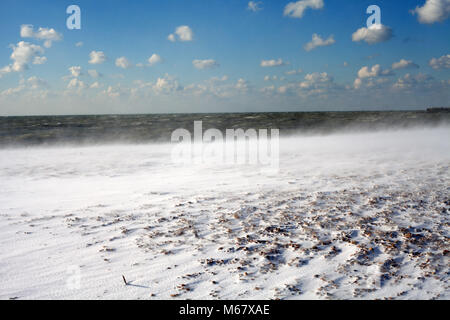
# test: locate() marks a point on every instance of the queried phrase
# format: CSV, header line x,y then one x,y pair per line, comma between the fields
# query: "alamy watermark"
x,y
237,147
374,20
74,20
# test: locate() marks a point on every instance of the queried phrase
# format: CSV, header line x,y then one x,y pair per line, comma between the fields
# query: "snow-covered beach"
x,y
348,216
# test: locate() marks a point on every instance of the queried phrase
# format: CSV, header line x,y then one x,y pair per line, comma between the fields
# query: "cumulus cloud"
x,y
166,84
297,9
293,72
13,91
268,89
75,71
371,73
440,63
404,64
219,79
39,60
94,73
79,44
182,33
95,85
36,82
375,71
23,54
154,59
242,85
318,84
268,78
357,83
312,79
317,41
370,83
205,64
374,34
97,57
76,83
218,87
112,92
409,81
171,37
46,34
433,11
254,6
123,63
272,63
5,70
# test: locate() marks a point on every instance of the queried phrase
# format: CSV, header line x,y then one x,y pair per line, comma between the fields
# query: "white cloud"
x,y
154,59
374,34
293,72
205,64
268,78
46,34
39,60
440,63
95,85
219,79
272,63
268,89
167,85
5,70
297,9
254,6
12,91
75,71
79,44
314,84
403,64
112,92
23,53
312,79
317,41
123,63
283,89
370,73
433,11
171,37
94,73
409,81
242,85
36,82
184,33
76,83
97,57
217,87
375,71
357,83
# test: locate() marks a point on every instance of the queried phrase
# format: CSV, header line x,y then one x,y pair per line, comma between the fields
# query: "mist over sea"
x,y
99,129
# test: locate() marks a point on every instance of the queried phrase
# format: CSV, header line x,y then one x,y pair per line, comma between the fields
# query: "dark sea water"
x,y
41,130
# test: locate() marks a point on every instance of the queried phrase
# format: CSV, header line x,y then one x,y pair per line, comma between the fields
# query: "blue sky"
x,y
405,66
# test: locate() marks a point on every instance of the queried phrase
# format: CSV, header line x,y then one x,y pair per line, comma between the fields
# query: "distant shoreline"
x,y
231,112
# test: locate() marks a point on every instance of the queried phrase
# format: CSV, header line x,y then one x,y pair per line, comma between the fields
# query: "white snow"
x,y
355,215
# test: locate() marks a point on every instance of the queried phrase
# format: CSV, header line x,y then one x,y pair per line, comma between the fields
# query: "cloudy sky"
x,y
222,56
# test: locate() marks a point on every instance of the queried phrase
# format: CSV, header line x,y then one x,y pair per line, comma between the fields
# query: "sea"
x,y
151,128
